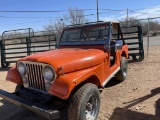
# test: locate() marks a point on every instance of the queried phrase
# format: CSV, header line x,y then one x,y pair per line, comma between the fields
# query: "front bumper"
x,y
38,105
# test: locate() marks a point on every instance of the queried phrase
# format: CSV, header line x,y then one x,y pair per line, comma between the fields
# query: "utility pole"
x,y
148,39
127,18
97,12
127,14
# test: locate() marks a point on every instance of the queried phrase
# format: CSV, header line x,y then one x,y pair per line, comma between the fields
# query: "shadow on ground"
x,y
112,82
10,111
126,114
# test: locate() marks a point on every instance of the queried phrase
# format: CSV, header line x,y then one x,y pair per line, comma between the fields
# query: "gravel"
x,y
137,98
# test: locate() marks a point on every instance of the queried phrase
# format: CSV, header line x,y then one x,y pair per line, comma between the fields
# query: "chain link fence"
x,y
151,32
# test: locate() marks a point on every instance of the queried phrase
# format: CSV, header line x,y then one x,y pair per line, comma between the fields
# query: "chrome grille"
x,y
35,76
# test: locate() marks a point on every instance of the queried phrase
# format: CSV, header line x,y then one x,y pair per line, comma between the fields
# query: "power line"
x,y
15,3
137,12
113,10
42,21
40,11
144,13
35,11
59,18
21,23
145,8
28,17
92,14
20,11
47,17
140,9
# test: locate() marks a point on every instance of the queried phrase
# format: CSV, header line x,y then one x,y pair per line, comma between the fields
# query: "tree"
x,y
154,26
56,27
130,22
75,16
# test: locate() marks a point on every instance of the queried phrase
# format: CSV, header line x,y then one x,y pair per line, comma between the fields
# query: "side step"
x,y
112,75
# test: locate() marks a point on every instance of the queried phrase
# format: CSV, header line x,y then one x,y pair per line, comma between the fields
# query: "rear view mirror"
x,y
118,45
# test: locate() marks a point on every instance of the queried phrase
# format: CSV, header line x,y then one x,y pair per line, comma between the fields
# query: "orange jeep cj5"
x,y
70,77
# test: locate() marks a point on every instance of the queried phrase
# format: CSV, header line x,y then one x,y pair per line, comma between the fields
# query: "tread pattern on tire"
x,y
119,75
78,98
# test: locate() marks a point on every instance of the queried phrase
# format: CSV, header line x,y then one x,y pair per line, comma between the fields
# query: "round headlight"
x,y
49,73
22,68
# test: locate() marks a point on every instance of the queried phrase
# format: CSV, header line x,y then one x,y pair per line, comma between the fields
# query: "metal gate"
x,y
134,38
19,43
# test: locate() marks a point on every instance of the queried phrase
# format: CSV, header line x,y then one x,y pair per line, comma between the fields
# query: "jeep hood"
x,y
68,60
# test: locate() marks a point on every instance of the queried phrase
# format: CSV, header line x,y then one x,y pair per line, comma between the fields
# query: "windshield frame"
x,y
95,42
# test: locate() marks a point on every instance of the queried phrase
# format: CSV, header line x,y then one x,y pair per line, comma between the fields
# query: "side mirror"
x,y
118,45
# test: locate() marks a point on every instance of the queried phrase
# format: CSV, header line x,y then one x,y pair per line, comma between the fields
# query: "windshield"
x,y
86,33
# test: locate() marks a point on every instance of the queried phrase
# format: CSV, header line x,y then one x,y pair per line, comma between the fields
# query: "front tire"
x,y
122,73
85,103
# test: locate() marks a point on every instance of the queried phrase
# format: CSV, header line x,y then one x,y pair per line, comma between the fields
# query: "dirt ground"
x,y
137,98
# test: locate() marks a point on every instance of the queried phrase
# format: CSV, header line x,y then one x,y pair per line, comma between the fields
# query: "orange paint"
x,y
75,65
69,60
64,84
14,76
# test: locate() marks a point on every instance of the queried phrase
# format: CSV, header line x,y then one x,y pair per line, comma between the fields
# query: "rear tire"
x,y
85,103
122,73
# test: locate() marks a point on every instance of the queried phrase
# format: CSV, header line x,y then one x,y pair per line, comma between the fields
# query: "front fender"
x,y
14,76
64,84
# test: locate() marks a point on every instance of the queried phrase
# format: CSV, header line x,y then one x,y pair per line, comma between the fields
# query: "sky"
x,y
11,18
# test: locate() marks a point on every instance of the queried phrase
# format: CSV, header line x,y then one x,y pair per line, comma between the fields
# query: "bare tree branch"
x,y
75,16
